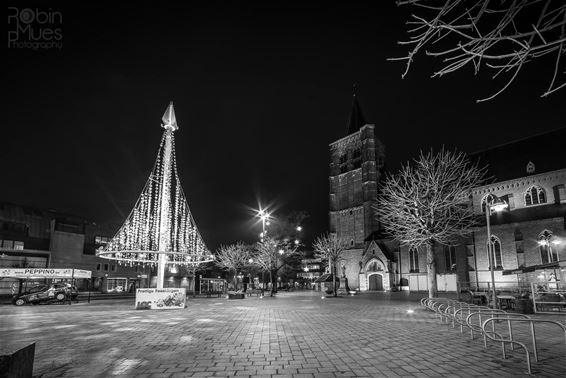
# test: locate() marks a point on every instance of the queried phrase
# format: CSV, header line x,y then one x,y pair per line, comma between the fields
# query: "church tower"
x,y
356,167
356,163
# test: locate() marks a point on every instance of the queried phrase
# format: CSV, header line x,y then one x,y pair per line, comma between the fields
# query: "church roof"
x,y
510,160
356,119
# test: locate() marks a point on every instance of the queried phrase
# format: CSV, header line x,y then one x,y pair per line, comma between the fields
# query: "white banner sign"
x,y
44,273
160,299
79,273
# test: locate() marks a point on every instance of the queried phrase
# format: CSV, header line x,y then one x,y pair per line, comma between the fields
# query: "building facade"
x,y
356,168
36,238
528,240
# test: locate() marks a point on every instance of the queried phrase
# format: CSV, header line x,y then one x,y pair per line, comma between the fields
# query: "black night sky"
x,y
260,90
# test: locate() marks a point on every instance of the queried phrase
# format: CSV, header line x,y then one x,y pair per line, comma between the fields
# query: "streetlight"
x,y
264,216
492,203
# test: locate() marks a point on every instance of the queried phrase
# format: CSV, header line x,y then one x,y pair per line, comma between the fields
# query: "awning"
x,y
528,269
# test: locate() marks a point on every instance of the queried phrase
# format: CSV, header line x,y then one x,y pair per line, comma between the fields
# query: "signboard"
x,y
160,299
79,273
44,273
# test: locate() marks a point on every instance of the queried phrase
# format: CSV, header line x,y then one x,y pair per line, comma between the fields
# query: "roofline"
x,y
516,140
349,135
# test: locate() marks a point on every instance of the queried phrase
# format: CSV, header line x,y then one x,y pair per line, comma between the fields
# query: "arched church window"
x,y
535,195
547,253
413,261
495,245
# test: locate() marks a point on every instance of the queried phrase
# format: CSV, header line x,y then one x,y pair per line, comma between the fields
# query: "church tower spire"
x,y
356,119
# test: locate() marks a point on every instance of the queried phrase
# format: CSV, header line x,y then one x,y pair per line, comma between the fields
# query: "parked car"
x,y
45,293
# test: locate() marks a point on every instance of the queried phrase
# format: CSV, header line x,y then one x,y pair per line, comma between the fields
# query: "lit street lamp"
x,y
264,216
492,203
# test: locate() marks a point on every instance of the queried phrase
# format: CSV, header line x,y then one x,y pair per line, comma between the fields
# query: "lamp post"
x,y
494,203
264,216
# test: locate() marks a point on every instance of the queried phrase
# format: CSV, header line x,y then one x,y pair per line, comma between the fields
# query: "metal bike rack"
x,y
531,322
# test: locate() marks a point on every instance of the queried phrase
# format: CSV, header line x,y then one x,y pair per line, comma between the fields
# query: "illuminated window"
x,y
496,249
19,245
547,253
413,261
535,195
101,240
450,257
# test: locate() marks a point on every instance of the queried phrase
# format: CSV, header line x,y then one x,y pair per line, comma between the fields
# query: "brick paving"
x,y
291,335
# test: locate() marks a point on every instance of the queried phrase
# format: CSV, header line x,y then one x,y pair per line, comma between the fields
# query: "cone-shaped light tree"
x,y
428,202
160,229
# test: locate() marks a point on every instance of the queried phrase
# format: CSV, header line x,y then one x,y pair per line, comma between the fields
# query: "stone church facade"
x,y
356,167
528,174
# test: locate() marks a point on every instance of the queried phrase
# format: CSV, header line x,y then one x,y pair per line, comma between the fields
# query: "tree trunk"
x,y
334,279
431,270
235,282
273,273
194,281
271,280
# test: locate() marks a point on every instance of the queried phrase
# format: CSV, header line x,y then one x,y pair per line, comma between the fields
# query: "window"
x,y
106,267
495,245
101,240
547,253
413,261
519,247
374,267
535,195
98,266
8,244
450,257
113,267
357,158
19,245
560,193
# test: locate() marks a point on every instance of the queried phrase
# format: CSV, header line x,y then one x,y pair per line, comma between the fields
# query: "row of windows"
x,y
12,244
112,267
535,195
106,267
548,254
356,160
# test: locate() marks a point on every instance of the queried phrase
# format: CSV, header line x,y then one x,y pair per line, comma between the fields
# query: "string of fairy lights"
x,y
161,222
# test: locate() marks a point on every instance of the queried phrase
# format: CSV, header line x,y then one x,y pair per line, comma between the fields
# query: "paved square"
x,y
291,335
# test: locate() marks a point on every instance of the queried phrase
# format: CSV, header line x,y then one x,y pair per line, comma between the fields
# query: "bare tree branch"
x,y
330,248
496,34
428,202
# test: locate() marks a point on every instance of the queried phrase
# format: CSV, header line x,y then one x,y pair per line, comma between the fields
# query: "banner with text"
x,y
160,299
44,273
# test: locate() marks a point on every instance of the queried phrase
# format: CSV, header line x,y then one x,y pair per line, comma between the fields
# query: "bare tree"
x,y
501,35
428,202
330,247
271,254
233,257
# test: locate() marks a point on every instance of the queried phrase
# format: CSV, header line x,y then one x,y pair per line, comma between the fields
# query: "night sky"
x,y
260,90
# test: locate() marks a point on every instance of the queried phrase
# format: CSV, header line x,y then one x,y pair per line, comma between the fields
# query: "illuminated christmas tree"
x,y
160,229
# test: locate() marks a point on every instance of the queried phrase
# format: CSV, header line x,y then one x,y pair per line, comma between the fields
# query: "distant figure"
x,y
344,271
